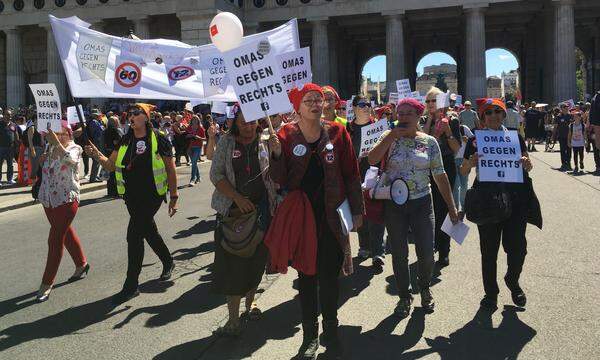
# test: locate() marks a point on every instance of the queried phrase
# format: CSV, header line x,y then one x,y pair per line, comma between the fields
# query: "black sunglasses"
x,y
134,112
363,105
430,101
497,111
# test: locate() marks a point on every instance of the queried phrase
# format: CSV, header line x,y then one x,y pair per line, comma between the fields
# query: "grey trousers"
x,y
418,215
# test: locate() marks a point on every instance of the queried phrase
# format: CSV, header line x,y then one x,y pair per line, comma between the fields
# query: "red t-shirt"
x,y
199,132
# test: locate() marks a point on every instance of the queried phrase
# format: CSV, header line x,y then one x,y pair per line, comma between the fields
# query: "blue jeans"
x,y
418,215
8,154
461,185
370,237
195,155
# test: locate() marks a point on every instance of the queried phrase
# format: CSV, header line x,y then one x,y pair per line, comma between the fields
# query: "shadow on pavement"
x,y
392,289
478,339
20,302
60,324
202,227
191,253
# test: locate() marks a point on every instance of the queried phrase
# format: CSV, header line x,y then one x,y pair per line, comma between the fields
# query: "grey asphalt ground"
x,y
175,320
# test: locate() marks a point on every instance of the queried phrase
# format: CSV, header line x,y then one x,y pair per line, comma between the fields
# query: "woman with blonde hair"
x,y
446,131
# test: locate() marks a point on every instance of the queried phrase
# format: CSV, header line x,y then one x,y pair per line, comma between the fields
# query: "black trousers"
x,y
565,152
596,154
111,185
323,287
86,163
440,208
578,155
511,233
142,226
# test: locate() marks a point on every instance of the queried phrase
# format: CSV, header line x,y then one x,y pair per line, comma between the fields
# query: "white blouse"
x,y
60,179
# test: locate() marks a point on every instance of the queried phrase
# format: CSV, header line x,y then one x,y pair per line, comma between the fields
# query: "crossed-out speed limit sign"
x,y
128,74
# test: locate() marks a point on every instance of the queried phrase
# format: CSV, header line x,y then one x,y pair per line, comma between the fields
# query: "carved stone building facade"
x,y
343,36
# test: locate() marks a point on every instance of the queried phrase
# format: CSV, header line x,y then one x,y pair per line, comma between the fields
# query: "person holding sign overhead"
x,y
411,156
144,171
316,157
496,226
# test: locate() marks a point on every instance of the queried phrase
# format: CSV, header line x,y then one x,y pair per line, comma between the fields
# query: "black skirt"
x,y
234,275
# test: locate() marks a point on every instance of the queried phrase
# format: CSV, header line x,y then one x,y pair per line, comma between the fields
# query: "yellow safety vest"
x,y
158,168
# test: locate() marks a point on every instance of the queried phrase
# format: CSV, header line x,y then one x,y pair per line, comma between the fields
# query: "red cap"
x,y
296,94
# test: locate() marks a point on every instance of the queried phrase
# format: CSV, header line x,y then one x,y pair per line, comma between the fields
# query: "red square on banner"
x,y
213,30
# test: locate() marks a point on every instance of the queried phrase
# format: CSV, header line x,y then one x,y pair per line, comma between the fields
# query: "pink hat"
x,y
414,103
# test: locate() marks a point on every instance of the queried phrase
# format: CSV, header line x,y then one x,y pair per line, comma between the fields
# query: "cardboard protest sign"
x,y
257,82
47,102
219,107
214,74
415,94
570,103
403,87
393,98
350,109
499,156
370,134
128,76
458,100
92,56
295,68
442,100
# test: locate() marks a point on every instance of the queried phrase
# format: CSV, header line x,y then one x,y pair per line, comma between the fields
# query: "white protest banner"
x,y
92,56
458,100
370,134
219,107
403,87
570,103
442,100
295,68
393,98
88,78
47,104
72,117
257,82
499,156
128,76
350,109
415,94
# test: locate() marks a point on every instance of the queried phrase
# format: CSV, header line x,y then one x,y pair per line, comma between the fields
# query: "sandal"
x,y
228,330
254,314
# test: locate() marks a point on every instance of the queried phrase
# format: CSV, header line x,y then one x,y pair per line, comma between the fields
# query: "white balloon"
x,y
226,31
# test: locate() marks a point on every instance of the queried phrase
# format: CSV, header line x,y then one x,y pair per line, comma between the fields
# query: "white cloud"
x,y
503,57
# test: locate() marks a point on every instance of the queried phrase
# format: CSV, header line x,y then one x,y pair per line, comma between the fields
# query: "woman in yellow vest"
x,y
144,170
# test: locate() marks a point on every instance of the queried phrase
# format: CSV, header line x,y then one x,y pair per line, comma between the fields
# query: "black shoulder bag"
x,y
488,203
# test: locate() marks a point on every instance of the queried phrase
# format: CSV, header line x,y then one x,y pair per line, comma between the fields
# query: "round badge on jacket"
x,y
299,150
140,147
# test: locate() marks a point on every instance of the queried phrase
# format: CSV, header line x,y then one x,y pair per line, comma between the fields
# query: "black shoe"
x,y
310,342
443,261
124,296
581,166
569,168
331,340
378,264
167,272
427,300
489,302
576,171
402,309
519,298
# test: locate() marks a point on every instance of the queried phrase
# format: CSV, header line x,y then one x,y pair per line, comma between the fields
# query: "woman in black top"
x,y
141,195
112,138
511,232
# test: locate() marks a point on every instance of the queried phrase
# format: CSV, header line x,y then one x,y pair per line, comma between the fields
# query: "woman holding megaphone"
x,y
411,155
144,170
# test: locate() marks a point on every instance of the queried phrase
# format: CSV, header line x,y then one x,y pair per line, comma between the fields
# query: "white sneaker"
x,y
11,182
191,184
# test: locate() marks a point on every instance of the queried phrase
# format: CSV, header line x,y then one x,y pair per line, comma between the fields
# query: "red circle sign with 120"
x,y
128,74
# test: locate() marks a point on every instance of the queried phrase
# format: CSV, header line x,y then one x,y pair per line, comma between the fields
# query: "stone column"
x,y
320,51
596,62
141,27
565,83
194,29
394,50
15,79
476,86
55,70
333,58
251,28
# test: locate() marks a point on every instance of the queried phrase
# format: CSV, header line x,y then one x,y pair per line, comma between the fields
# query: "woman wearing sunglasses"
x,y
510,232
446,131
144,170
316,157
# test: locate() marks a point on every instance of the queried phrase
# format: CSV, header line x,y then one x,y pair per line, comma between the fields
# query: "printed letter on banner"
x,y
295,68
370,134
128,76
257,81
47,103
499,156
92,56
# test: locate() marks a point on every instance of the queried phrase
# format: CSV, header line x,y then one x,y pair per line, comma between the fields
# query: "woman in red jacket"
x,y
317,157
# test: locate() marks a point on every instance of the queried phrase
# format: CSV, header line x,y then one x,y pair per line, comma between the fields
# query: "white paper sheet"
x,y
458,231
345,217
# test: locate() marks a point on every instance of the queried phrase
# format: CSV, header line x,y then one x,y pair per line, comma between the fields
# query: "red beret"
x,y
296,94
380,110
330,89
487,103
414,103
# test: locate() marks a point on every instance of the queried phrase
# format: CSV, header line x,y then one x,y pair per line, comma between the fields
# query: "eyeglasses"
x,y
400,114
363,105
494,111
430,101
134,112
329,100
312,102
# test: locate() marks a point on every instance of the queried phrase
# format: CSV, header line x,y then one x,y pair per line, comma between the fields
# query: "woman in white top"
x,y
59,194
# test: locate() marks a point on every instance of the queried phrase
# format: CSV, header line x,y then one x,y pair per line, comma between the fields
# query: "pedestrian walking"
x,y
561,132
59,195
144,171
196,136
411,156
9,140
576,140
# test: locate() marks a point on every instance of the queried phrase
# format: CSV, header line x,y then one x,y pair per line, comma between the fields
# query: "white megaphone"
x,y
226,31
397,191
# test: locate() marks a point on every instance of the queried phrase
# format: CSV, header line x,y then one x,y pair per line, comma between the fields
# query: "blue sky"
x,y
497,60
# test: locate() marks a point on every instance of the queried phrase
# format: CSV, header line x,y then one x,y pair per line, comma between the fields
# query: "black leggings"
x,y
578,155
440,208
142,226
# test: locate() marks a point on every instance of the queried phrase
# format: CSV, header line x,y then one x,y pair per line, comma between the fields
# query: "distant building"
x,y
494,87
371,88
431,77
444,68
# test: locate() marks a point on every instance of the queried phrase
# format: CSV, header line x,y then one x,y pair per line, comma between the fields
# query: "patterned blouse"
x,y
60,179
414,160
